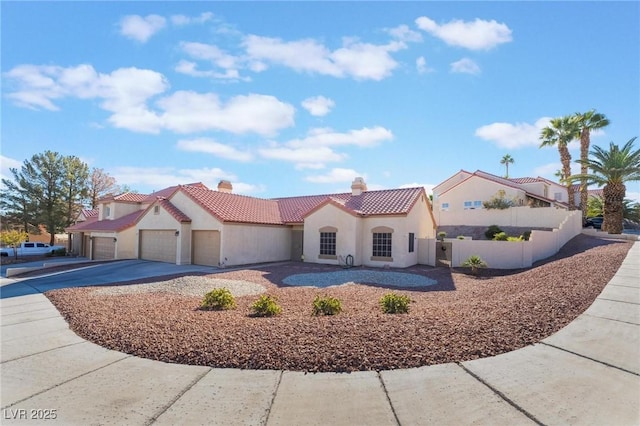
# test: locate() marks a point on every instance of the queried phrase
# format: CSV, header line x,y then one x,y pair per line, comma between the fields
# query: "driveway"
x,y
98,274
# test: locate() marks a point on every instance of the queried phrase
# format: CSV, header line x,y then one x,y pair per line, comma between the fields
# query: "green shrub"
x,y
500,236
474,262
326,306
491,231
499,201
460,237
516,239
526,235
442,235
266,306
392,303
58,252
218,299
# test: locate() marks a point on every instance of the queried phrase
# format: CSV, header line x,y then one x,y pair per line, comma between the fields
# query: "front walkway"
x,y
587,373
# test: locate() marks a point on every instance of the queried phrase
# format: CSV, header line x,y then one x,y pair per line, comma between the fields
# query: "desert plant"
x,y
520,238
326,305
460,237
501,236
526,235
266,306
499,201
474,262
491,231
392,303
442,235
218,299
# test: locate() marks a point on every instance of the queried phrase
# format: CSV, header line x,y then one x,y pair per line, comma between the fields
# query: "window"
x,y
107,211
156,210
477,204
381,244
412,238
444,207
472,205
29,245
467,205
327,244
557,196
40,245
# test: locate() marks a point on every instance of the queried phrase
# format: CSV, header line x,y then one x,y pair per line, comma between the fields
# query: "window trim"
x,y
382,230
332,243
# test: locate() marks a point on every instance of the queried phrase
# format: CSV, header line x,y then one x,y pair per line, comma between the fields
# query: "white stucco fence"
x,y
535,217
512,254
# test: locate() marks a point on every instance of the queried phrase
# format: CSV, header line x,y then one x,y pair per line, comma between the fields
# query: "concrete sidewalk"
x,y
587,373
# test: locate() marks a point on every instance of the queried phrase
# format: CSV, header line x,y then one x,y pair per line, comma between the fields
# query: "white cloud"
x,y
209,146
141,28
211,53
7,163
518,135
318,105
162,177
305,157
190,68
466,66
335,176
126,92
180,20
365,137
404,33
362,61
186,112
474,35
422,67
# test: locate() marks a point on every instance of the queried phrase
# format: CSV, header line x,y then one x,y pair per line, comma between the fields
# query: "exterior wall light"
x,y
115,239
177,233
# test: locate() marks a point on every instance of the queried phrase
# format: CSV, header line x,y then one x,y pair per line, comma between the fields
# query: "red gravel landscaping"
x,y
461,318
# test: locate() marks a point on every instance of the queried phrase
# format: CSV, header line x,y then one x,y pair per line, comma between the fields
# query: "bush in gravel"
x,y
326,306
218,299
474,262
501,236
266,306
491,231
392,303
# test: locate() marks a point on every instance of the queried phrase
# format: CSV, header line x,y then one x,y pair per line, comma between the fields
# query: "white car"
x,y
27,249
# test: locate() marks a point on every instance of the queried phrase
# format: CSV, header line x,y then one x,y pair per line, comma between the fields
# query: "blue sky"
x,y
286,98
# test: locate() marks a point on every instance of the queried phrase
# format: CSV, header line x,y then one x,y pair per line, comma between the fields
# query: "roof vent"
x,y
225,186
358,186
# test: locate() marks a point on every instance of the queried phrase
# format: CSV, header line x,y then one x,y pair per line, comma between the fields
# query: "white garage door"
x,y
104,248
206,247
158,245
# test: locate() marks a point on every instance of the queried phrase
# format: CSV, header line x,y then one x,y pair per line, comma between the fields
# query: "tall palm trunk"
x,y
613,194
585,141
565,159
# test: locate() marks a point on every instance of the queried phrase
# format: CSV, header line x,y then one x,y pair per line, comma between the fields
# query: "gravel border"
x,y
460,318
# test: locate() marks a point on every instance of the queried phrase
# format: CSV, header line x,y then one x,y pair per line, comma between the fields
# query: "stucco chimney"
x,y
358,186
225,186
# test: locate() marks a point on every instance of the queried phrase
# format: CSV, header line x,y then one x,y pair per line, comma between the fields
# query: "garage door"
x,y
160,246
104,248
206,247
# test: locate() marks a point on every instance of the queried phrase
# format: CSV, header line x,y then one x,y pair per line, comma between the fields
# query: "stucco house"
x,y
468,190
192,224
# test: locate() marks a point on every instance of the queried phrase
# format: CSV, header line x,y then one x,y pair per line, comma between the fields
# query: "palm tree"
x,y
587,122
612,169
560,132
506,160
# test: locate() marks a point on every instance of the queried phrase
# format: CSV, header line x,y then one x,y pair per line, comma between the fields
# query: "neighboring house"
x,y
466,191
193,224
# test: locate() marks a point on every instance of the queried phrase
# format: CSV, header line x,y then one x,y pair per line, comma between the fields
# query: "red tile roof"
x,y
235,208
174,211
115,225
383,202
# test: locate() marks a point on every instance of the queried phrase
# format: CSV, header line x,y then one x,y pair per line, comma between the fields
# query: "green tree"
x,y
587,122
75,188
48,189
612,168
506,160
559,133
